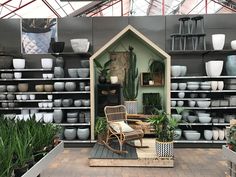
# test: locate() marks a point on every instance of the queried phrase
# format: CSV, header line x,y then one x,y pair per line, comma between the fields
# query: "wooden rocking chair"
x,y
119,129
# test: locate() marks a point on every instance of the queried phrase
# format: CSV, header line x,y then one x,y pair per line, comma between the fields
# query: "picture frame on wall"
x,y
37,35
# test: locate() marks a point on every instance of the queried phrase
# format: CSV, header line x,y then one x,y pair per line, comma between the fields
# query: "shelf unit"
x,y
33,76
195,61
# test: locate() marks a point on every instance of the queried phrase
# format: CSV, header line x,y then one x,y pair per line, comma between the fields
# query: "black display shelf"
x,y
201,52
87,54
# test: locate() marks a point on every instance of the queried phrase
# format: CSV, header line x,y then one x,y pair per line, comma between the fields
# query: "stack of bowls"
x,y
192,135
192,85
205,85
204,118
203,104
72,117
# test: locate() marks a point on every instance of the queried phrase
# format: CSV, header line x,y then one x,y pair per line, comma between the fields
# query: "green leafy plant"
x,y
37,25
164,125
231,141
100,126
103,69
131,81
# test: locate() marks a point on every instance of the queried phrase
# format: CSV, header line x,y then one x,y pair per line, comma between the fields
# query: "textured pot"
x,y
215,134
218,41
59,62
131,106
11,88
3,88
72,114
86,103
230,65
67,102
221,134
47,63
183,70
70,86
10,96
48,88
208,134
83,133
23,87
164,149
77,103
70,133
5,62
57,115
59,72
72,120
59,86
83,72
57,102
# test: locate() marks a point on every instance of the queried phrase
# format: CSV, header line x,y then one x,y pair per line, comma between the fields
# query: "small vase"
x,y
59,72
102,79
114,79
218,41
60,62
231,65
151,82
57,115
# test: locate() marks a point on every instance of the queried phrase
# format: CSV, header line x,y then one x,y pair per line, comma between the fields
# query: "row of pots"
x,y
178,70
71,117
71,133
69,102
191,103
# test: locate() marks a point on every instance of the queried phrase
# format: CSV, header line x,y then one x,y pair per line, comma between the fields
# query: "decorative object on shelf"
x,y
3,88
83,72
59,86
192,119
164,126
221,134
220,85
37,35
84,63
151,101
231,65
157,71
203,104
208,134
48,117
83,133
57,115
73,72
214,85
176,70
87,88
59,72
205,85
191,103
182,86
48,87
39,88
49,97
57,102
18,63
204,119
215,132
214,68
233,44
177,134
81,86
85,102
173,103
181,94
131,84
59,62
80,45
70,133
6,75
11,88
72,120
174,86
70,86
46,63
100,129
114,79
23,87
192,135
57,47
218,41
67,102
72,114
103,71
77,103
180,103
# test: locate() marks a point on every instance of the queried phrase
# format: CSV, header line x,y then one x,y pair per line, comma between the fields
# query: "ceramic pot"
x,y
59,86
77,103
214,85
83,72
176,71
73,72
67,102
39,117
60,62
208,134
11,88
3,88
114,80
48,88
220,85
173,103
214,68
5,62
191,103
18,63
230,65
48,117
57,102
39,88
183,70
32,97
233,44
81,86
72,114
23,87
86,103
131,106
180,103
215,134
70,133
11,105
2,97
72,120
218,41
84,63
57,115
80,45
4,105
83,133
181,94
174,86
221,135
10,96
50,97
46,63
59,72
177,134
57,47
182,86
87,88
17,75
70,86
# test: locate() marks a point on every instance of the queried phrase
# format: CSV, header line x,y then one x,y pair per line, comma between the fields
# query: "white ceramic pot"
x,y
50,97
32,97
183,70
50,104
173,103
50,76
24,97
45,105
25,111
215,134
114,79
181,94
221,134
18,97
180,103
33,111
46,63
191,103
17,75
39,117
182,86
208,134
214,85
40,105
176,71
19,63
174,86
151,82
220,85
48,117
233,44
80,45
214,68
218,41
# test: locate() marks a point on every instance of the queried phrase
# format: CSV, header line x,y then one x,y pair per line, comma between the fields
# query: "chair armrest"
x,y
120,128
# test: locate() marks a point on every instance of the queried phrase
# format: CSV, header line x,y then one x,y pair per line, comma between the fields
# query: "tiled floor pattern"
x,y
188,163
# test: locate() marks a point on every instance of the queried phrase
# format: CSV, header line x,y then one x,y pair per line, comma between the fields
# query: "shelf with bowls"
x,y
219,141
193,141
195,99
210,108
201,52
204,77
77,141
43,79
83,54
220,124
203,91
196,124
73,124
25,70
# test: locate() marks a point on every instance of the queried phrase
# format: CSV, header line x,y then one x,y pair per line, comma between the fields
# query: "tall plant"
x,y
131,82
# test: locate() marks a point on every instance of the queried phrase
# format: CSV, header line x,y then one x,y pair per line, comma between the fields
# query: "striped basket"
x,y
164,149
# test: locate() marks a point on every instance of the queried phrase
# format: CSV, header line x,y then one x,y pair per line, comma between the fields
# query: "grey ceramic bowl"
x,y
73,72
70,133
57,102
10,96
11,88
67,102
2,97
72,119
72,114
83,133
48,87
23,87
87,88
11,105
177,134
86,103
83,72
4,105
77,103
9,75
3,88
70,86
85,63
59,86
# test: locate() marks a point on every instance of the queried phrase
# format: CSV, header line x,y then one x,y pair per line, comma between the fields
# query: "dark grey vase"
x,y
231,65
60,62
57,115
59,72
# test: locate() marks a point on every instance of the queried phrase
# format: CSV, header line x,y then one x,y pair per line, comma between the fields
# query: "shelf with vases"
x,y
46,79
204,77
195,99
71,92
83,54
200,52
72,124
25,70
30,101
76,141
192,141
69,79
82,108
219,141
196,124
192,108
47,93
203,91
221,124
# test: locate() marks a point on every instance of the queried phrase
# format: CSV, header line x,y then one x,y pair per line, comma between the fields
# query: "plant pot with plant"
x,y
164,126
100,129
103,71
131,84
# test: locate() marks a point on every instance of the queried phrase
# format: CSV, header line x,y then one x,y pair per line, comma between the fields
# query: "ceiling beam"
x,y
149,7
51,8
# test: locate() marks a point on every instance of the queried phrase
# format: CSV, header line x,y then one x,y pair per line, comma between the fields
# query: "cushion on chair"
x,y
124,126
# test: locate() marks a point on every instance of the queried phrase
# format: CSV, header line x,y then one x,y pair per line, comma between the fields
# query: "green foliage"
x,y
33,25
131,81
152,99
232,138
164,125
103,69
100,125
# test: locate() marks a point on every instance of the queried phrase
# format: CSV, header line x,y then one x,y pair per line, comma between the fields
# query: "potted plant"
x,y
131,84
103,71
100,129
164,126
151,101
156,68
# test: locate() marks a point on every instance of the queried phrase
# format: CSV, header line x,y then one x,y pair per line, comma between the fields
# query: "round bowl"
x,y
192,119
17,75
72,114
57,102
192,136
70,133
11,96
50,76
204,119
83,72
67,102
48,87
193,86
183,70
73,72
182,86
39,88
59,86
47,63
70,86
174,86
18,97
18,63
23,87
233,44
180,103
176,71
208,134
83,133
86,103
3,88
181,94
72,119
178,117
173,103
11,88
205,87
77,103
80,45
203,104
87,88
191,103
2,97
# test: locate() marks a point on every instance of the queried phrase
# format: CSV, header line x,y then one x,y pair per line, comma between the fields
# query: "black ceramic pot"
x,y
20,171
58,47
102,79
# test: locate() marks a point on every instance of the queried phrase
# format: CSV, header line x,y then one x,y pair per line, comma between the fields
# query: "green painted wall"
x,y
143,53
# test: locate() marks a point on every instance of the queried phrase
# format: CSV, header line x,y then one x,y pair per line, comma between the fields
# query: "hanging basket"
x,y
34,43
164,149
132,107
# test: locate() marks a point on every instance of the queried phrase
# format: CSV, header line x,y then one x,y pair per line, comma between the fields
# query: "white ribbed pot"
x,y
35,43
218,41
131,106
164,149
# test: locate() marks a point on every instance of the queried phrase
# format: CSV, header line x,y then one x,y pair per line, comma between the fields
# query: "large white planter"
x,y
34,43
131,106
164,149
218,41
214,68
